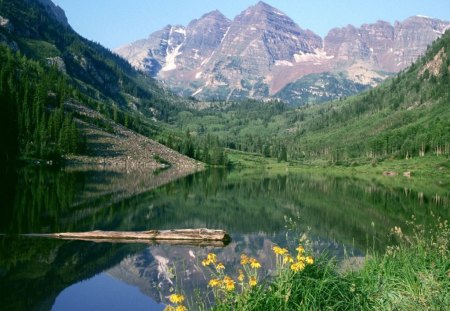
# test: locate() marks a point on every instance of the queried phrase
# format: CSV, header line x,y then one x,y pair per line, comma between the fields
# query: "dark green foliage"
x,y
33,120
208,149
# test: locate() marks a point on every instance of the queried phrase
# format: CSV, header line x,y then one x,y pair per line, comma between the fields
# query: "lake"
x,y
342,216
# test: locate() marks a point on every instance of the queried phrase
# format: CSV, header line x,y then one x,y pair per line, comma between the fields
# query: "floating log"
x,y
200,237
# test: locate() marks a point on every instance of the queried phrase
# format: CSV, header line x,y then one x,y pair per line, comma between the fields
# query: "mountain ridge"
x,y
263,51
49,68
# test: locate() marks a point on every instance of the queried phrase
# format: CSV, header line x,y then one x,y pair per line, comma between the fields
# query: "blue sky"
x,y
117,22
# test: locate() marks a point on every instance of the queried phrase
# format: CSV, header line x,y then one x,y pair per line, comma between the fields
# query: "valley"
x,y
334,147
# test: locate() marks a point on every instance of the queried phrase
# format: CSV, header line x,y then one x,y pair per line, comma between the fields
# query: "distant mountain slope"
x,y
46,67
118,147
407,116
39,29
320,87
262,50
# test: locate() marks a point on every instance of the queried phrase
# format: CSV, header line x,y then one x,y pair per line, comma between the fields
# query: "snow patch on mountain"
x,y
171,59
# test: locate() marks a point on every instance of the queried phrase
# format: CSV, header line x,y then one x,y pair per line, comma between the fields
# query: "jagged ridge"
x,y
262,50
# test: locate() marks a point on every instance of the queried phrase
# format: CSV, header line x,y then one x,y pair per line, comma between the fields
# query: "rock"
x,y
5,23
58,62
262,51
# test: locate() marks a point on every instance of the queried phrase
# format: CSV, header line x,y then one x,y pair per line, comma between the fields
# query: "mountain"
x,y
320,87
383,46
258,41
405,116
39,29
57,88
159,53
262,51
55,11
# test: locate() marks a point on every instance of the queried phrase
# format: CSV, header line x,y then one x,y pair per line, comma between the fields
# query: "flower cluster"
x,y
222,284
177,301
245,260
220,280
283,258
210,259
225,283
250,266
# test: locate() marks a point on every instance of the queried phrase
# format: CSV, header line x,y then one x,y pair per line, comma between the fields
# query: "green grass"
x,y
413,274
428,174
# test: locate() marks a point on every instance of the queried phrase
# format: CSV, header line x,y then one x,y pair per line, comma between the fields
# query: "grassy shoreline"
x,y
412,274
430,172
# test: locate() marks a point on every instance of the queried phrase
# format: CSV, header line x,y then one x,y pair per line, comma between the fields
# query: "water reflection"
x,y
258,210
103,292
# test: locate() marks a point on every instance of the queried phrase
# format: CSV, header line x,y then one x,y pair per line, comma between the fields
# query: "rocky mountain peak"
x,y
261,5
272,31
262,50
421,21
216,14
262,13
211,19
258,40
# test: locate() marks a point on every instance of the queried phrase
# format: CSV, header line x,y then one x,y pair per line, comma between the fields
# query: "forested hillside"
x,y
45,63
406,116
33,122
93,69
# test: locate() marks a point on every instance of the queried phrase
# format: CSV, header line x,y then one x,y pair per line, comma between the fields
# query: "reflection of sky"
x,y
103,292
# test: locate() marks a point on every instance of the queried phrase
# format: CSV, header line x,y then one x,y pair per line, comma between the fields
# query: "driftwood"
x,y
201,237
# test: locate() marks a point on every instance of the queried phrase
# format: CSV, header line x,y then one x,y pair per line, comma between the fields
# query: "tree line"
x,y
34,123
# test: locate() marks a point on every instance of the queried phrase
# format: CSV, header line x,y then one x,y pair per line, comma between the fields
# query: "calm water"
x,y
340,215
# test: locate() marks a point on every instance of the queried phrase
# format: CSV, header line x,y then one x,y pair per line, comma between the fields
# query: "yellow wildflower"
x,y
214,283
181,308
241,276
309,260
206,262
252,282
300,249
220,266
169,308
301,258
279,251
244,259
229,283
175,298
212,257
298,266
254,263
288,259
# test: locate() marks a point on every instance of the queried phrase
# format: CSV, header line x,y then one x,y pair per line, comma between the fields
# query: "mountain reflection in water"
x,y
340,215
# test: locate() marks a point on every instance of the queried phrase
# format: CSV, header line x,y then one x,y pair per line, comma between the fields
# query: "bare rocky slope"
x,y
122,149
262,51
